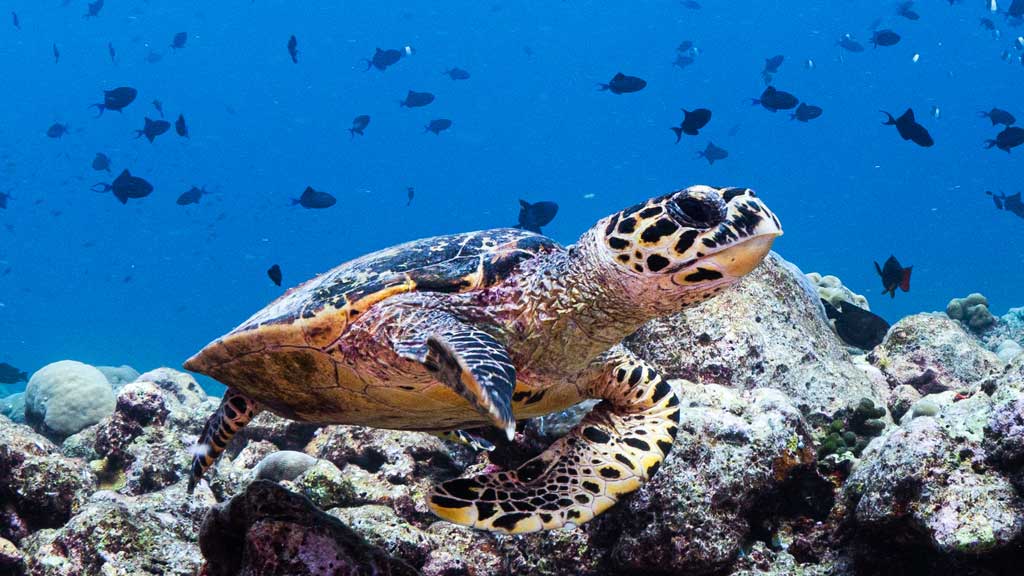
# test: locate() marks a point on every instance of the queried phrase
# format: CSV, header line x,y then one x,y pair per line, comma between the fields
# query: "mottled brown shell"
x,y
317,312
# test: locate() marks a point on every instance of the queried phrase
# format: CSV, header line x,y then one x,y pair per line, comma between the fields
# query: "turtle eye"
x,y
697,210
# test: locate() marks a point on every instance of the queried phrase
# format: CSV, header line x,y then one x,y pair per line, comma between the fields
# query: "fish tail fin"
x,y
905,280
679,133
878,268
755,101
602,87
296,201
23,375
351,133
103,187
989,144
99,107
890,121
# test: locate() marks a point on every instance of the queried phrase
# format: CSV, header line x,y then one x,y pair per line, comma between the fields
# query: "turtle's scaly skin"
x,y
482,328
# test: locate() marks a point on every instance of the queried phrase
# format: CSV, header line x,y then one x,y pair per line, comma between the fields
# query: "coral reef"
x,y
932,353
832,290
972,311
792,458
118,376
13,407
65,397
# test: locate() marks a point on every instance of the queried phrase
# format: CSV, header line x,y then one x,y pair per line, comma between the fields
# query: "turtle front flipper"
x,y
235,411
615,449
468,360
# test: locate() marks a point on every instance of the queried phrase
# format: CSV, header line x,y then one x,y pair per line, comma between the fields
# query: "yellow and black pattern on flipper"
x,y
469,361
236,410
612,452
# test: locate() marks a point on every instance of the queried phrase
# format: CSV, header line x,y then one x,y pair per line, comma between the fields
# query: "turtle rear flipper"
x,y
235,411
468,360
612,452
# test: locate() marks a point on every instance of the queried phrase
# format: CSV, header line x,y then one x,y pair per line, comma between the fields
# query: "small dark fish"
x,y
805,112
416,99
438,125
988,24
4,196
683,60
159,107
622,84
381,59
457,74
856,326
192,196
1011,204
849,44
153,128
771,65
684,46
884,38
274,273
17,22
153,57
410,193
909,129
112,52
11,375
894,276
906,9
58,130
116,99
1009,138
180,127
314,199
126,186
179,40
713,153
693,121
359,123
691,4
533,216
56,54
775,100
94,9
1016,9
293,49
101,162
998,116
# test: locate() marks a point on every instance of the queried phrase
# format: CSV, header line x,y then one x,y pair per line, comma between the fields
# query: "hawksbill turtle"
x,y
455,332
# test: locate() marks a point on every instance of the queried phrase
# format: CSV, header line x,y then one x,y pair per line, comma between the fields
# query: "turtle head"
x,y
682,248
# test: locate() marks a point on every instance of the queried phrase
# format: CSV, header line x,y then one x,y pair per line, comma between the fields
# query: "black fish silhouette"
x,y
533,216
314,199
622,84
274,273
693,121
894,276
909,129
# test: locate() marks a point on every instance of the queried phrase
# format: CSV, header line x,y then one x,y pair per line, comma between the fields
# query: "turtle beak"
x,y
738,260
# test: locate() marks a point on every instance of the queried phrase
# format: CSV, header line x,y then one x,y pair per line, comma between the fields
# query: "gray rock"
x,y
932,353
118,376
768,331
1007,350
65,397
283,465
13,407
903,397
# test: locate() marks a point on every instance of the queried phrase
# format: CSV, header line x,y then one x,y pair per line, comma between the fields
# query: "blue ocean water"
x,y
151,282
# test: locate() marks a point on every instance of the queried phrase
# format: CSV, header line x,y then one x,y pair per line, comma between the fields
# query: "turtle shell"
x,y
317,312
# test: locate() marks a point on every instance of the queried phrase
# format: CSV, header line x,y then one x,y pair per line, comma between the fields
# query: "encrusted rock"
x,y
65,397
39,487
831,289
769,331
122,535
382,527
253,453
929,480
932,353
270,531
11,559
281,432
13,407
903,397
